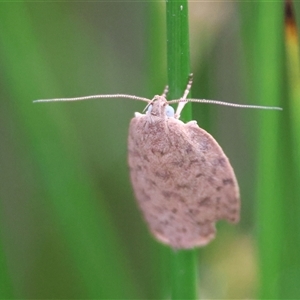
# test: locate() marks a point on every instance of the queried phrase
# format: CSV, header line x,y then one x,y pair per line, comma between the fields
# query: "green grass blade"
x,y
183,263
178,52
290,272
293,74
184,274
263,43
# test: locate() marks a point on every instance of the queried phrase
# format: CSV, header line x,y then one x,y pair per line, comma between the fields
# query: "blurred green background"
x,y
70,227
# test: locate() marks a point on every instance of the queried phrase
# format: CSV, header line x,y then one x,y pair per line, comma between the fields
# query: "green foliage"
x,y
183,263
69,223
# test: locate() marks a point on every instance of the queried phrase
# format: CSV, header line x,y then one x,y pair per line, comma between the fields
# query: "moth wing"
x,y
218,172
183,181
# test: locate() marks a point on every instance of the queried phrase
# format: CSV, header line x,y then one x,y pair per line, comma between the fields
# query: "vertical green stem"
x,y
293,73
184,274
268,76
183,263
178,52
291,263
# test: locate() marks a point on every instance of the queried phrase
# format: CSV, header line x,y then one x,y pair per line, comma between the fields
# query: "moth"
x,y
182,180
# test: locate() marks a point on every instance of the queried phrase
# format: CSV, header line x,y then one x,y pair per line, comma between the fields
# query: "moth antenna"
x,y
149,103
94,97
221,103
165,92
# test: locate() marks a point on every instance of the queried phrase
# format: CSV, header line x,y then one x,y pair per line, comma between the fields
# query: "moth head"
x,y
159,107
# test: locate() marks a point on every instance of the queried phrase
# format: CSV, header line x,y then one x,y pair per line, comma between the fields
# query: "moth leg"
x,y
137,114
188,87
191,123
185,94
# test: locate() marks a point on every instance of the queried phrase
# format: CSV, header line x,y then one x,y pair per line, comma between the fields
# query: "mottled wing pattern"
x,y
182,180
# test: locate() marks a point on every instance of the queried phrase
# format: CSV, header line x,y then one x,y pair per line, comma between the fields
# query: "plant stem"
x,y
184,274
184,279
290,283
178,53
267,41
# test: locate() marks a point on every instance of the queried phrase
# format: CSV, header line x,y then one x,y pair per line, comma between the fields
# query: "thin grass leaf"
x,y
183,263
267,72
290,263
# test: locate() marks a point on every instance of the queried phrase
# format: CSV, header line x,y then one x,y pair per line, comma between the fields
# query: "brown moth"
x,y
182,180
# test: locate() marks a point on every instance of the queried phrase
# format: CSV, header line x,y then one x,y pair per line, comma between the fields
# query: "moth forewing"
x,y
182,180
